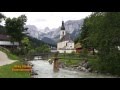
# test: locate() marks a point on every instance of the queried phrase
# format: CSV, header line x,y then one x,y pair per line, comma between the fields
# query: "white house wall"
x,y
8,43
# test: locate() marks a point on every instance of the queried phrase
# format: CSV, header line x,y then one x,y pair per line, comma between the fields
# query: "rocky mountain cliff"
x,y
72,26
52,36
32,31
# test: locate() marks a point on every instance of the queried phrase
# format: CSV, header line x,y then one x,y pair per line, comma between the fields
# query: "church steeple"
x,y
63,26
62,32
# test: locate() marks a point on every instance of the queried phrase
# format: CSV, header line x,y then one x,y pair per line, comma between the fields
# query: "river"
x,y
45,70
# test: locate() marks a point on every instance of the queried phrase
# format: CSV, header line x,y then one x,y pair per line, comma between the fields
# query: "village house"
x,y
78,47
5,41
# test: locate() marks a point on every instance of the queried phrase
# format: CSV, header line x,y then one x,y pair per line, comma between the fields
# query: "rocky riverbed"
x,y
83,66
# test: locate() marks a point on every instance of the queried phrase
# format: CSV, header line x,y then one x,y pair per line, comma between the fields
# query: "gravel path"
x,y
4,60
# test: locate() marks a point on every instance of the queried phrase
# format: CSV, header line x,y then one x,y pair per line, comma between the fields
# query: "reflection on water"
x,y
45,70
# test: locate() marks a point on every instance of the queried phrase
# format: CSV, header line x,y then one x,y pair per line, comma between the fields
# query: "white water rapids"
x,y
45,70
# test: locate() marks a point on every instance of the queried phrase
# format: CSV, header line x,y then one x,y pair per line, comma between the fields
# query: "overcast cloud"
x,y
48,19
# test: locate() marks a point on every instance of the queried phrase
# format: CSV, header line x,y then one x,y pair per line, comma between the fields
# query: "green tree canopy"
x,y
43,48
15,27
2,29
101,30
26,46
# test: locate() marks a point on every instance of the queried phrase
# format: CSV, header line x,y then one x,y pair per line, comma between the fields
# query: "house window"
x,y
63,33
66,44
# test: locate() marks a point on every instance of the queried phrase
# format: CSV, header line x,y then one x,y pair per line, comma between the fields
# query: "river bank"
x,y
43,69
84,66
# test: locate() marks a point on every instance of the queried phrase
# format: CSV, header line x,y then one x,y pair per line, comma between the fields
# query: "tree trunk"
x,y
93,51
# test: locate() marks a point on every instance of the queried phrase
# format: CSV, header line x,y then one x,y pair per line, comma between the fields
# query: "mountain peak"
x,y
71,26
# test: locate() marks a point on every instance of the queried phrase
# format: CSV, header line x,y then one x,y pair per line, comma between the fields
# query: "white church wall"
x,y
65,46
64,43
66,51
70,51
70,45
73,45
60,45
61,51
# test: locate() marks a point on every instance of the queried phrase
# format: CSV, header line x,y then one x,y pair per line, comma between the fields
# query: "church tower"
x,y
62,32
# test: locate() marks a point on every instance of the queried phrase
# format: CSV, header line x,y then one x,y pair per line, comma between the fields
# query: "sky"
x,y
48,19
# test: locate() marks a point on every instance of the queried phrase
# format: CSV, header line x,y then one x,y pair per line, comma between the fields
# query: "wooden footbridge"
x,y
39,56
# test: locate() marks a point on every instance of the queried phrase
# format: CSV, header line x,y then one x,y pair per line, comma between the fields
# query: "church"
x,y
65,44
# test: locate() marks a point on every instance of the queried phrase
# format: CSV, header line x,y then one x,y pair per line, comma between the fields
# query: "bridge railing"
x,y
44,56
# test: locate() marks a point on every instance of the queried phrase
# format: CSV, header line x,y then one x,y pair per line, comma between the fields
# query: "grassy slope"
x,y
70,59
75,59
9,54
6,70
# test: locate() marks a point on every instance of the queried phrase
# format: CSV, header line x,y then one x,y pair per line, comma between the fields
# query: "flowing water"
x,y
45,70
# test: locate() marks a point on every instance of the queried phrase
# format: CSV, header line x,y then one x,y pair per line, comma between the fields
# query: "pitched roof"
x,y
78,45
66,37
70,41
4,37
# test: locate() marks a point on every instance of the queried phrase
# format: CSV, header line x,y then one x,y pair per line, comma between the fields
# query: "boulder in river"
x,y
89,69
83,68
33,73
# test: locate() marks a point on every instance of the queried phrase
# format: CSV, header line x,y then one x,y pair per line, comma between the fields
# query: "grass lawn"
x,y
70,59
75,59
6,71
70,62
